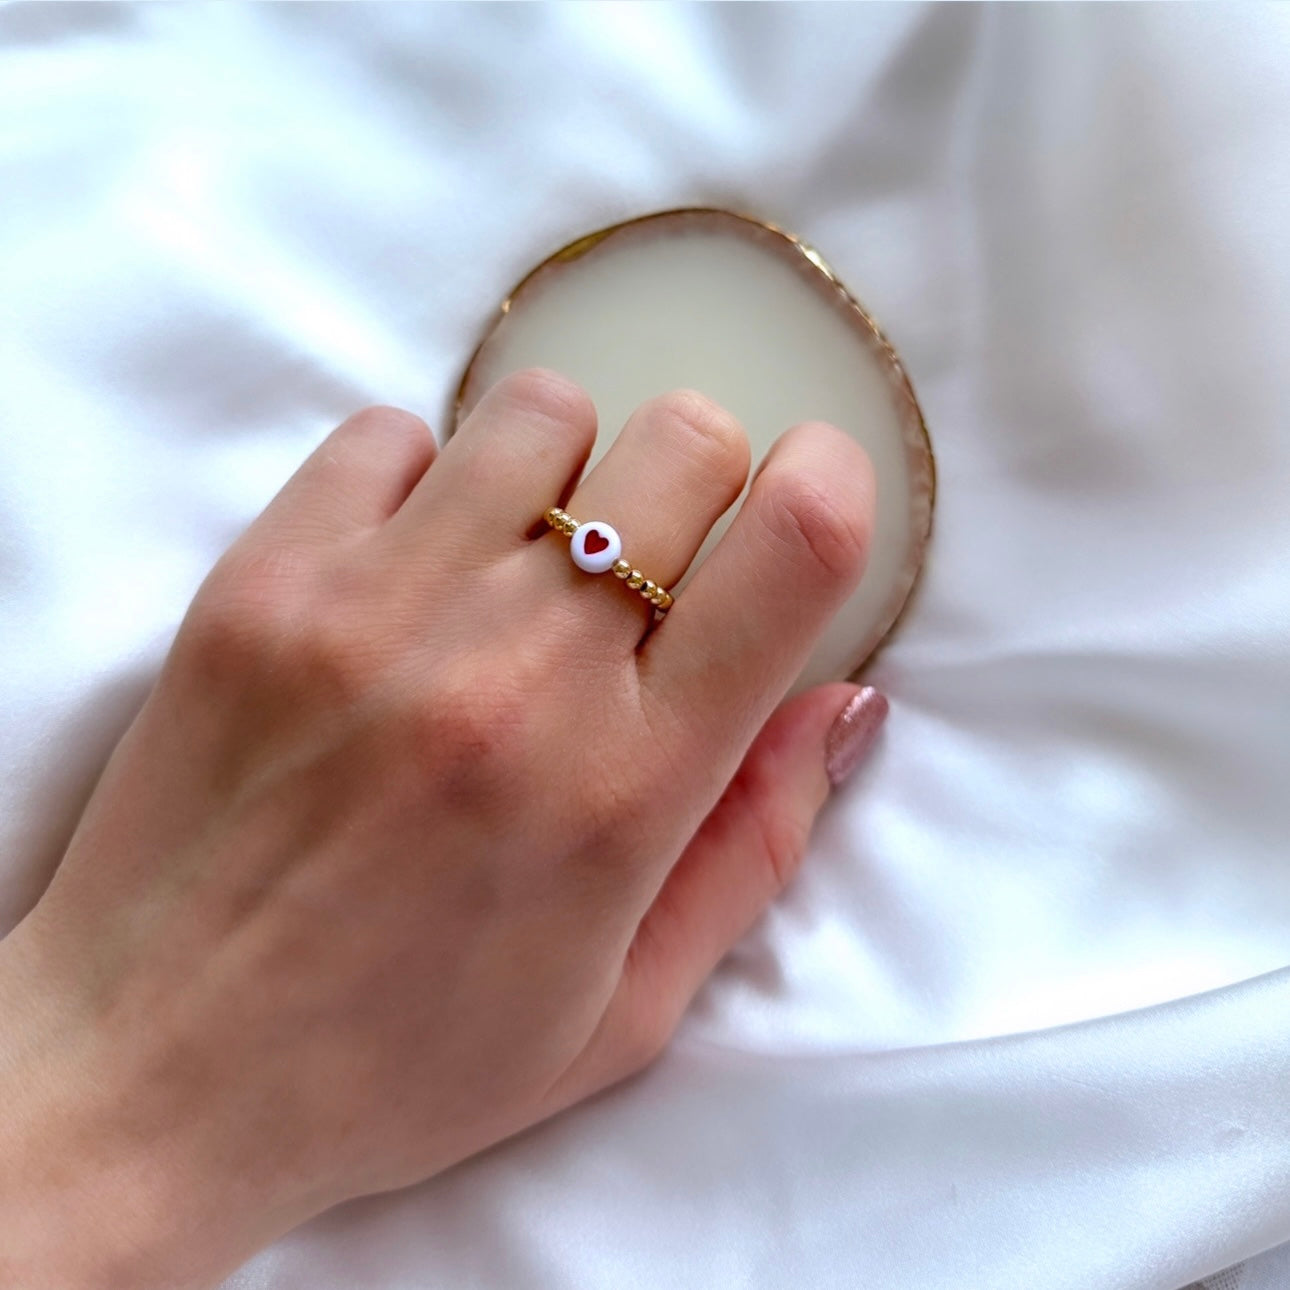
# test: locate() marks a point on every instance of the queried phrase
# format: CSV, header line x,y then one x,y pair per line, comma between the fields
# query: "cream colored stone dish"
x,y
752,317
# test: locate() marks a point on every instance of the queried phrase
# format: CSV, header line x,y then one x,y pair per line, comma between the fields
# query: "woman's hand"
x,y
422,835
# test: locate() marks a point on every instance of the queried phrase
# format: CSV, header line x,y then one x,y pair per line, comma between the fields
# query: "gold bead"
x,y
648,588
666,603
622,568
635,578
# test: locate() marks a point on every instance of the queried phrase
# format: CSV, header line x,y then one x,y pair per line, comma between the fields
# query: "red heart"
x,y
595,541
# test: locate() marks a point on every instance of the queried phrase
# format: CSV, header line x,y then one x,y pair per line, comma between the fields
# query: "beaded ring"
x,y
597,548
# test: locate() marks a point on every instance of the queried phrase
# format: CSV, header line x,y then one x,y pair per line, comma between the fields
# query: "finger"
x,y
675,468
517,453
357,477
743,628
746,851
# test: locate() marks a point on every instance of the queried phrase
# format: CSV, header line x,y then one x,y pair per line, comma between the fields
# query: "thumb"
x,y
752,843
741,858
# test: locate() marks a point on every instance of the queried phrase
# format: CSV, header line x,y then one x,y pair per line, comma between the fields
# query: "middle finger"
x,y
676,467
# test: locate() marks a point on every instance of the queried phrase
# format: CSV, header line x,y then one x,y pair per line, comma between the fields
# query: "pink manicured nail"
x,y
852,733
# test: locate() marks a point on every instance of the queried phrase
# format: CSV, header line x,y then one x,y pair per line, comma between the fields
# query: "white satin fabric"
x,y
960,1052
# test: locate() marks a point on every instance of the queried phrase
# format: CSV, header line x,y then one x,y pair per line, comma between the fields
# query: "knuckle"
x,y
473,737
214,640
550,396
248,607
231,644
827,522
261,618
708,434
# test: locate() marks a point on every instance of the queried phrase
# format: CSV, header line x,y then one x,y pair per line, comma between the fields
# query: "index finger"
x,y
744,626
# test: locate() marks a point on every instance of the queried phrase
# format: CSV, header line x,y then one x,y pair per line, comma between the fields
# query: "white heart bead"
x,y
595,561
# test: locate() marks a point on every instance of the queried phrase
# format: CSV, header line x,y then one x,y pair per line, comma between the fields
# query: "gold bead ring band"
x,y
597,548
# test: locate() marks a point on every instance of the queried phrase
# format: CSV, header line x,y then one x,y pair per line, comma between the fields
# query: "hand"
x,y
423,834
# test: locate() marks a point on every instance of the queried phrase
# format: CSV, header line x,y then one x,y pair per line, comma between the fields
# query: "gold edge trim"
x,y
918,444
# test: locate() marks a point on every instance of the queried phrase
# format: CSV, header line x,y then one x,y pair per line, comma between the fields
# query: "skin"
x,y
423,835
